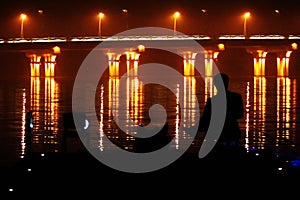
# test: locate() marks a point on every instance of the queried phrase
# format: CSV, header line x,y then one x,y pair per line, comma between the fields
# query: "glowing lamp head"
x,y
100,15
141,48
23,16
294,46
246,15
176,14
56,50
221,47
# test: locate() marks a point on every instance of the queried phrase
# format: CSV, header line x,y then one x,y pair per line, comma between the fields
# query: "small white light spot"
x,y
86,124
42,154
257,154
29,169
10,189
279,168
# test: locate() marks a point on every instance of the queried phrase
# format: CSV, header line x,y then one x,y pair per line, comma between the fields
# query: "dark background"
x,y
79,17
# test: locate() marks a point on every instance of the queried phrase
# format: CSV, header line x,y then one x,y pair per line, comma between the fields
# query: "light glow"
x,y
176,14
247,15
23,16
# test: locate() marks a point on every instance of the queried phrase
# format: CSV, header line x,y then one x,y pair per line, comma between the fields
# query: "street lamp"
x,y
176,15
100,15
246,16
22,17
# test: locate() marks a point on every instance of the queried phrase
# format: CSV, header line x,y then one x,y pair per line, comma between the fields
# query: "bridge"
x,y
131,46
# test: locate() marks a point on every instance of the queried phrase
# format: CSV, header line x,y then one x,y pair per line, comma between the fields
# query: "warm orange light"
x,y
176,14
100,15
294,46
221,47
246,15
141,48
56,50
23,16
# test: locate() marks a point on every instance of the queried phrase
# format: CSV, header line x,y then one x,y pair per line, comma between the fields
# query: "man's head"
x,y
221,79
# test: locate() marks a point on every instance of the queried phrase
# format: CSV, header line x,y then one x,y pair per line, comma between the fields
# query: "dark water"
x,y
271,119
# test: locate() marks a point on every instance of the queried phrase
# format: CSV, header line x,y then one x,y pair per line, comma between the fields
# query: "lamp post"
x,y
125,12
176,15
22,17
246,16
100,15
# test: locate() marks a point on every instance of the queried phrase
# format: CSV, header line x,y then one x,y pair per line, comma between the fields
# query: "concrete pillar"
x,y
189,63
35,63
132,60
49,64
113,63
259,62
209,57
283,63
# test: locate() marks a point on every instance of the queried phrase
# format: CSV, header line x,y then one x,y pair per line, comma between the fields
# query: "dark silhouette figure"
x,y
157,141
229,140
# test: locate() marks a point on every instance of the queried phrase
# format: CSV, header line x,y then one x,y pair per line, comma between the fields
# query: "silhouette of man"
x,y
231,133
158,141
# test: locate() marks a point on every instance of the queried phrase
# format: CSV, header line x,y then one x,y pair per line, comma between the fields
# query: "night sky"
x,y
79,17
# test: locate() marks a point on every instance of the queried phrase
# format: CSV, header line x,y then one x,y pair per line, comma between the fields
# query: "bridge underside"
x,y
43,58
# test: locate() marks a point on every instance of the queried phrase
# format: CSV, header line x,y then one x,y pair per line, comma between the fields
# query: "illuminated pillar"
x,y
283,64
209,57
132,60
113,63
49,64
35,62
189,63
259,62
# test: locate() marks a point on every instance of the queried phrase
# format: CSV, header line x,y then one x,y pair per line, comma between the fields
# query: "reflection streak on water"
x,y
101,119
44,102
45,98
23,142
259,112
286,114
247,120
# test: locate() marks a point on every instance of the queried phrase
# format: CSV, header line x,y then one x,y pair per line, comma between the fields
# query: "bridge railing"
x,y
135,38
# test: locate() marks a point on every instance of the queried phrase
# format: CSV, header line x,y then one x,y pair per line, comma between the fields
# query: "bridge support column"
x,y
209,57
283,63
132,60
189,63
35,63
113,63
49,61
50,64
259,62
